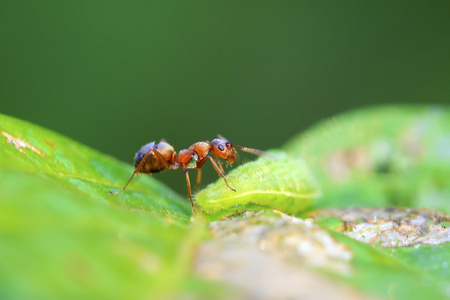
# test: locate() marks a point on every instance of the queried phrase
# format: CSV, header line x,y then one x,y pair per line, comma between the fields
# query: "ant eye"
x,y
220,146
228,144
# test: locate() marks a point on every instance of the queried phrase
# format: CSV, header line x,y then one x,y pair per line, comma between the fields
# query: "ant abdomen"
x,y
152,163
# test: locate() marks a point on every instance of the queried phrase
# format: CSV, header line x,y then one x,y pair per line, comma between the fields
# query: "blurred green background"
x,y
118,74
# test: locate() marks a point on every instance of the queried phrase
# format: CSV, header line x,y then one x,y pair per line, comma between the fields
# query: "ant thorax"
x,y
201,149
189,158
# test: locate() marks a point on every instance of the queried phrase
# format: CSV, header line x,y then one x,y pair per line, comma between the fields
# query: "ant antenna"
x,y
251,150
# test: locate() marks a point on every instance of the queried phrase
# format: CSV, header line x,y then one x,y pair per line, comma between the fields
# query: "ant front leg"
x,y
216,159
188,182
199,178
202,162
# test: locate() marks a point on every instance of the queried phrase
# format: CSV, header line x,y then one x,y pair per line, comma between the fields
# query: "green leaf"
x,y
433,260
378,274
63,236
30,148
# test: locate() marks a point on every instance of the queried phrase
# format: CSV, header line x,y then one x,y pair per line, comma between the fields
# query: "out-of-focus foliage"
x,y
434,260
381,156
57,243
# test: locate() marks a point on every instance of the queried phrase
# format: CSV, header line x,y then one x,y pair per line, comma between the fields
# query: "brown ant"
x,y
156,157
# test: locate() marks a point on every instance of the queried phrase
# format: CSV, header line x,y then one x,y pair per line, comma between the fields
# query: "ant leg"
x,y
218,163
162,159
202,162
199,178
136,170
121,190
188,182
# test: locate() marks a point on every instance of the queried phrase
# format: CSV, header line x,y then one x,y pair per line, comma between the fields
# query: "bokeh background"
x,y
117,74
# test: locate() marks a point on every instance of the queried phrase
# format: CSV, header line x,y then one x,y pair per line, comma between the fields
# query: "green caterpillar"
x,y
275,182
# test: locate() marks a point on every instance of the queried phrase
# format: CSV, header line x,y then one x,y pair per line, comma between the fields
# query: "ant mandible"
x,y
156,157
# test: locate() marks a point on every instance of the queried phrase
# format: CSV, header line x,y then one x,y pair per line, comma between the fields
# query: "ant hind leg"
x,y
136,170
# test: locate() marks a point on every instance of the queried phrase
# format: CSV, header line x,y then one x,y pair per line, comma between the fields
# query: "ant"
x,y
155,157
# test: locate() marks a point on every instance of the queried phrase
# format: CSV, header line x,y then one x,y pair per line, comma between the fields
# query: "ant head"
x,y
223,149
